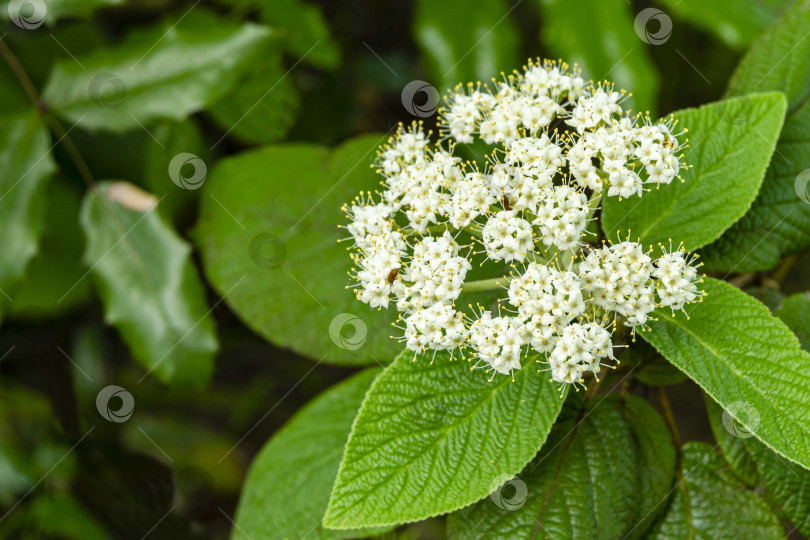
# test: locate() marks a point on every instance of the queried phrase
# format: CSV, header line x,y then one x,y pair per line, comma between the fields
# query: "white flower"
x,y
497,341
677,280
580,348
508,237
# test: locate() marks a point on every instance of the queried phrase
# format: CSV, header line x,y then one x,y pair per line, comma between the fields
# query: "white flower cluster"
x,y
559,144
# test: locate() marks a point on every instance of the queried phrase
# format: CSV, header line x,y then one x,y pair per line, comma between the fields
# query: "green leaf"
x,y
607,466
170,140
268,233
263,106
778,223
288,486
60,515
57,9
149,287
26,166
57,267
710,502
737,22
730,143
795,313
787,483
307,36
168,71
739,353
432,436
466,41
600,38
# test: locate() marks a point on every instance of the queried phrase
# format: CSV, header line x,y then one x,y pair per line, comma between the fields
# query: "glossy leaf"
x,y
289,482
778,223
730,144
710,502
739,353
737,22
26,166
432,436
268,233
602,473
148,284
795,313
263,106
168,71
787,483
600,38
466,41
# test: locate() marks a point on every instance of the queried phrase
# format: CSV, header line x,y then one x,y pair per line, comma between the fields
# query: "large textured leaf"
x,y
466,41
289,482
605,467
270,217
150,289
738,352
710,502
263,107
25,167
730,143
306,35
168,71
778,223
600,38
795,313
737,22
432,436
786,482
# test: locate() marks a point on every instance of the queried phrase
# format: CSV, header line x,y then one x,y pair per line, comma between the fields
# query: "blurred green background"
x,y
233,75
